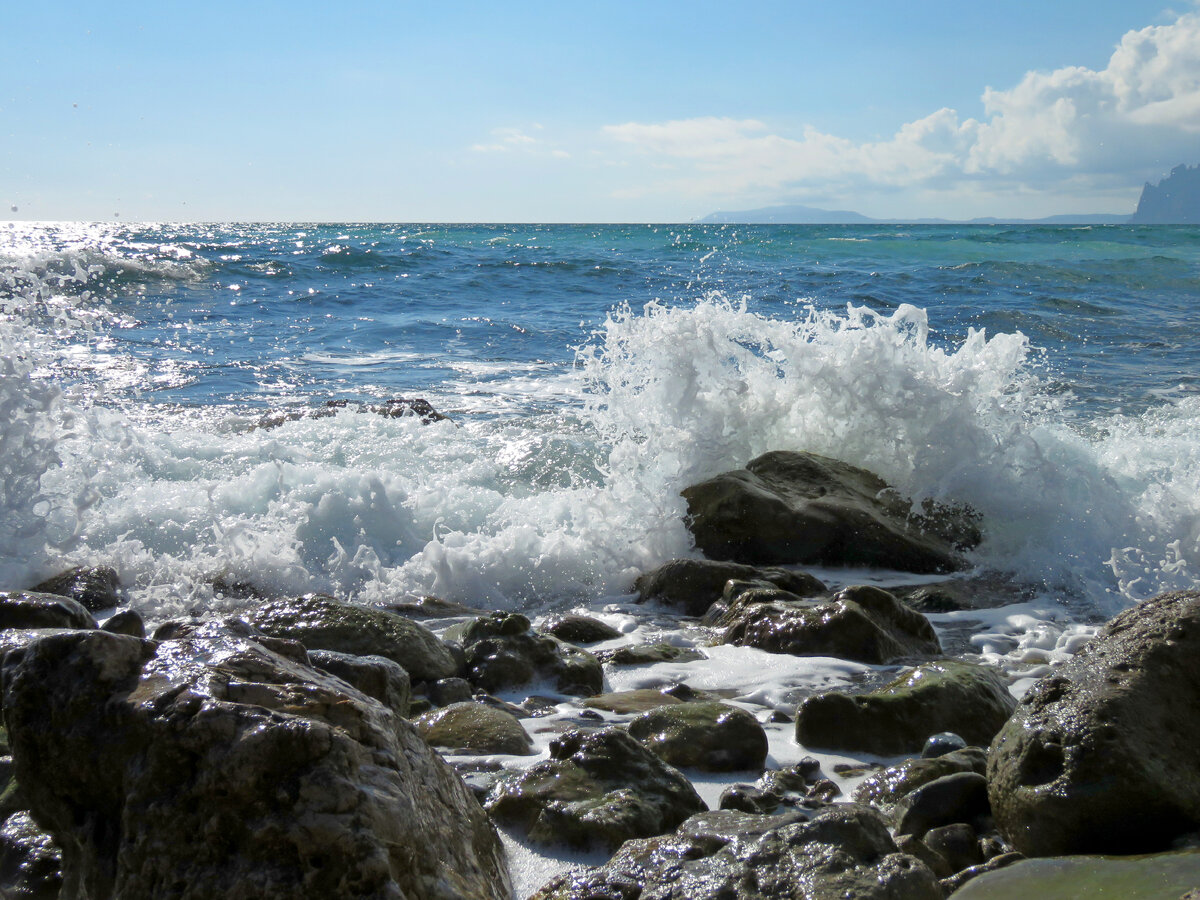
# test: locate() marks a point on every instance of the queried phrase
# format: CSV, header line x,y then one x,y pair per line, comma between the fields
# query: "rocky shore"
x,y
309,747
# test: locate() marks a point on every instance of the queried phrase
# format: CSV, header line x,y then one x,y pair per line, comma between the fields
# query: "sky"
x,y
647,111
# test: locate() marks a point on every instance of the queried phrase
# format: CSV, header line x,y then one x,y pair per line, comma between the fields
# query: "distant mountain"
x,y
792,214
1173,201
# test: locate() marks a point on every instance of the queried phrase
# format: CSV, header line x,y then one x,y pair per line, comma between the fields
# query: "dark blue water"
x,y
262,314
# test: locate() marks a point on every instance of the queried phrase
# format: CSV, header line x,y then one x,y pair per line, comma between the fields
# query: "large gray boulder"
x,y
320,622
804,509
31,609
696,584
844,851
1104,755
209,766
862,623
598,788
947,695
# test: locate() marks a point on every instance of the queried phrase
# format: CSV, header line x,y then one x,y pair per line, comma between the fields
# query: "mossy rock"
x,y
714,737
471,728
860,623
885,788
598,788
320,622
948,695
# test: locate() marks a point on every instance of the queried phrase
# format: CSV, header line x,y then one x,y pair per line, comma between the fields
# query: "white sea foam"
x,y
507,509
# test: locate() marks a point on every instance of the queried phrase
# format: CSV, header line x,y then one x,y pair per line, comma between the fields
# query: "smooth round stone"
x,y
941,744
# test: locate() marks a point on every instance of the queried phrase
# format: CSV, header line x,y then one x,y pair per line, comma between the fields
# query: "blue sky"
x,y
609,111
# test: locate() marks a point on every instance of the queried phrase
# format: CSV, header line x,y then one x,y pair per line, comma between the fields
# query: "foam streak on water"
x,y
590,375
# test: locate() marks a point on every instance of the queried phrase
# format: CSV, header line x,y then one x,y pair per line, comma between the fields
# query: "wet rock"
x,y
1162,875
748,798
30,861
1103,756
474,728
217,768
127,621
860,623
576,629
885,788
395,408
502,651
714,737
844,851
947,695
941,744
957,844
937,863
740,595
28,609
805,509
598,788
696,584
93,587
624,702
433,608
643,654
177,629
445,691
375,676
961,797
320,622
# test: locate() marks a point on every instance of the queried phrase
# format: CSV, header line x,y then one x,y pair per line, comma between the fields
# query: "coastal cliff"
x,y
1173,201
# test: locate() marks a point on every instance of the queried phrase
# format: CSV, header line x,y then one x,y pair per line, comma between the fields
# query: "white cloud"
x,y
1074,128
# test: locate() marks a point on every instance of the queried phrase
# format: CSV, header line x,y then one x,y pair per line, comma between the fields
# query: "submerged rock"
x,y
1104,755
598,788
95,587
643,654
320,622
395,408
472,728
217,768
861,623
714,737
576,629
696,584
30,609
804,509
844,851
503,651
947,695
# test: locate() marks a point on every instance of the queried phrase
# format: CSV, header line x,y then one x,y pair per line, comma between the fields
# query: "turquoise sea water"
x,y
1047,375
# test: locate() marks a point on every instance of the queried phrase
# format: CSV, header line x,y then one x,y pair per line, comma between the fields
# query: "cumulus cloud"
x,y
1074,125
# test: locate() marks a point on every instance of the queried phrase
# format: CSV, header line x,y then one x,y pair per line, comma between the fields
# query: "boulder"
x,y
637,701
804,509
1153,877
844,851
643,654
210,766
30,861
961,797
20,610
885,788
320,622
375,676
947,695
1103,756
474,729
714,737
865,624
503,651
576,629
94,587
127,621
393,408
696,584
598,788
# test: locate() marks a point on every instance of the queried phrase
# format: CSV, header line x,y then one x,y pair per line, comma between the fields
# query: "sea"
x,y
165,409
